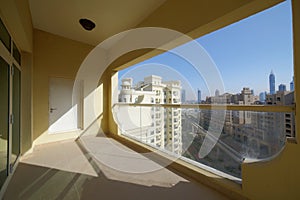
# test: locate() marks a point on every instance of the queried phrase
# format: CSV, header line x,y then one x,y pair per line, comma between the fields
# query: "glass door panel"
x,y
4,119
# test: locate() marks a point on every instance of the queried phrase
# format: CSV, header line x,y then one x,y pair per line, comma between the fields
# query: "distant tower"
x,y
282,87
272,82
183,97
292,85
262,96
199,96
217,93
252,92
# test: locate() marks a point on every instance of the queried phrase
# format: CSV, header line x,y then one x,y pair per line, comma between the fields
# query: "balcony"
x,y
90,167
43,43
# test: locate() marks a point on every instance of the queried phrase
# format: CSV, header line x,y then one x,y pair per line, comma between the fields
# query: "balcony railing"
x,y
218,136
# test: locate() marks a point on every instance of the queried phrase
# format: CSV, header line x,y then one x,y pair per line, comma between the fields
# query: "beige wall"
x,y
54,56
26,102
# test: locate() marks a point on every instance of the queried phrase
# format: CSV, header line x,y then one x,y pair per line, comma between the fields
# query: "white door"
x,y
62,115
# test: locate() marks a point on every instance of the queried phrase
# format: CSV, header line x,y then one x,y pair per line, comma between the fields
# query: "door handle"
x,y
51,109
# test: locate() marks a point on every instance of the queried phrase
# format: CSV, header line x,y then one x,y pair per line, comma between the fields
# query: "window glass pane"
x,y
4,35
4,113
16,54
16,114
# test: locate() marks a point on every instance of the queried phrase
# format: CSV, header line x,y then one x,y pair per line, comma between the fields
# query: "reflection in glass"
x,y
182,131
4,35
16,54
4,112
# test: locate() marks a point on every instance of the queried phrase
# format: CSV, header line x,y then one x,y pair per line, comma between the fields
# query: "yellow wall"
x,y
26,102
54,56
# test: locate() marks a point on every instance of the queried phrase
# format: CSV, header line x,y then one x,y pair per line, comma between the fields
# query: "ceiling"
x,y
198,17
61,17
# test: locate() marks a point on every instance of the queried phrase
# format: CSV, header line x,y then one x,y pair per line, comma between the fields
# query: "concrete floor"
x,y
97,167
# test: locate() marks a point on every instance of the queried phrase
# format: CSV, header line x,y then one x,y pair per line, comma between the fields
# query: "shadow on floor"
x,y
35,182
32,181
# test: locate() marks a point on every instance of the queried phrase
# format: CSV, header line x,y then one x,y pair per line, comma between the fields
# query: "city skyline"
x,y
244,53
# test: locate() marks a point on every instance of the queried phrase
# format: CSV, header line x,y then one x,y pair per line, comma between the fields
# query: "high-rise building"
x,y
282,87
292,85
183,96
199,96
217,93
262,96
163,128
272,82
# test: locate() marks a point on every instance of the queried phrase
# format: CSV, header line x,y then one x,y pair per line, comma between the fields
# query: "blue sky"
x,y
244,53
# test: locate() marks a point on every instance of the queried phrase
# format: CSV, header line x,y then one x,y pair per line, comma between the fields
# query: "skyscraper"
x,y
183,97
217,93
262,96
199,96
272,82
292,85
282,87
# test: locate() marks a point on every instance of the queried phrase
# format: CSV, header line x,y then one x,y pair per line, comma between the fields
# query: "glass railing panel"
x,y
227,137
245,135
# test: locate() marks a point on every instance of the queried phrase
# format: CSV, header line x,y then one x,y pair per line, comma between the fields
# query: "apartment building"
x,y
162,127
283,98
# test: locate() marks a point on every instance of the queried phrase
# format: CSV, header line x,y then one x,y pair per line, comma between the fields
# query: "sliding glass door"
x,y
10,94
4,120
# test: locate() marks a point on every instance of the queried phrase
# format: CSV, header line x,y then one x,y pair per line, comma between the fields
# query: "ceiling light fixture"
x,y
87,24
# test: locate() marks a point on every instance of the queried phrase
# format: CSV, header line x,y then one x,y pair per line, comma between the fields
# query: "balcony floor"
x,y
98,168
